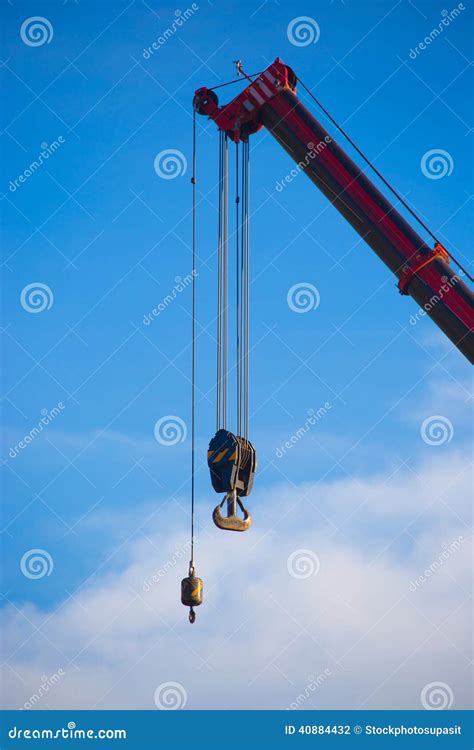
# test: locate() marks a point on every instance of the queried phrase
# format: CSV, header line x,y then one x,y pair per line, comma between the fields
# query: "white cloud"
x,y
261,634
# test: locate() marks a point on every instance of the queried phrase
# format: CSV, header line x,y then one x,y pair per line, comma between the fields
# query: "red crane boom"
x,y
423,272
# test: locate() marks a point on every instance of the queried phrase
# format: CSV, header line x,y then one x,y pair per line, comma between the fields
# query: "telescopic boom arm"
x,y
423,272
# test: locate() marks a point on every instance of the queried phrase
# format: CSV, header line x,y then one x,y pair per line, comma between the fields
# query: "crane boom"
x,y
423,272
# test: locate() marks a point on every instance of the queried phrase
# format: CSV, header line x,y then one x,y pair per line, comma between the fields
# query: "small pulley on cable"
x,y
231,457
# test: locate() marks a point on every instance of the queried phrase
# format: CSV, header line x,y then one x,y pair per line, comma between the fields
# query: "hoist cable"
x,y
235,80
193,345
238,290
380,175
245,286
225,284
246,279
222,286
242,286
219,291
242,289
242,292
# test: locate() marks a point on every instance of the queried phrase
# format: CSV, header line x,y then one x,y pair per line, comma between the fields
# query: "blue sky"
x,y
109,237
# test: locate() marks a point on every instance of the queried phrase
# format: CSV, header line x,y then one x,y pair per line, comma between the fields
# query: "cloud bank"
x,y
353,593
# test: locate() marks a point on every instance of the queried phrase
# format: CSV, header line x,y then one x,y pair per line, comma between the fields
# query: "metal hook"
x,y
232,522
